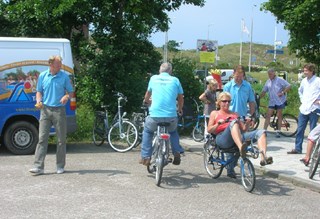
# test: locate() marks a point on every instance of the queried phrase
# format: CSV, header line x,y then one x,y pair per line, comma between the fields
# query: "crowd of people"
x,y
164,94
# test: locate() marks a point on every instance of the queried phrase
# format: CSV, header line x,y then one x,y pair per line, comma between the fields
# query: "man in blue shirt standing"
x,y
241,95
54,88
276,88
164,89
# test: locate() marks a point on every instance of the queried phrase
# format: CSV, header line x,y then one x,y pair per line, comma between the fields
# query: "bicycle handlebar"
x,y
120,96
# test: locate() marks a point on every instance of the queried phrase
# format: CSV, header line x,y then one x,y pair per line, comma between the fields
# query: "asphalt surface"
x,y
101,183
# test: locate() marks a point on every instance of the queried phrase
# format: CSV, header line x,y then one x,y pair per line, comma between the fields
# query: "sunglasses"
x,y
225,101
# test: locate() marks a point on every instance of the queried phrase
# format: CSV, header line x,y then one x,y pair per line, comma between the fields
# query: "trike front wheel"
x,y
248,176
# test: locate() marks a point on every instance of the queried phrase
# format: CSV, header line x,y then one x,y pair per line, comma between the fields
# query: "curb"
x,y
303,183
283,177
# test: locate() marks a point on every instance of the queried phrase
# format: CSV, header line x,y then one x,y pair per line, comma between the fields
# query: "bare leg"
x,y
310,145
236,135
262,145
267,119
279,115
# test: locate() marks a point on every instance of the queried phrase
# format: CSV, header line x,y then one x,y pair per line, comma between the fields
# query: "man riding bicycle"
x,y
164,89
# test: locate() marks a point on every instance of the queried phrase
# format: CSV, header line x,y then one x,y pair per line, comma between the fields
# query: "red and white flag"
x,y
244,28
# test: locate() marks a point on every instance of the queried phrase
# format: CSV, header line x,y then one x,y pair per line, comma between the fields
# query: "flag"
x,y
244,28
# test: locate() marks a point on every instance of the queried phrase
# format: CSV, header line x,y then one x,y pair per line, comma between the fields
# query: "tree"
x,y
117,55
302,19
173,46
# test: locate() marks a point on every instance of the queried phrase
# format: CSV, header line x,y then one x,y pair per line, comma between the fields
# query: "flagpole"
x,y
240,60
251,33
275,46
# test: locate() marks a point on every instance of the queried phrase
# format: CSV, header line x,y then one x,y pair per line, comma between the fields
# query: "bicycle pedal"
x,y
169,160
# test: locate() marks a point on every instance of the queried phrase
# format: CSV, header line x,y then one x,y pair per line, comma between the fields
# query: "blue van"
x,y
22,60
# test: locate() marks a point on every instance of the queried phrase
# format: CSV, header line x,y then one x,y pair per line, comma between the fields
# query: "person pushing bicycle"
x,y
276,87
165,89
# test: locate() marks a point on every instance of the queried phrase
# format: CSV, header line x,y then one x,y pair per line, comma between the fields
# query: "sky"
x,y
221,21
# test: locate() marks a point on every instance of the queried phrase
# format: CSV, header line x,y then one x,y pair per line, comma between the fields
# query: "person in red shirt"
x,y
231,131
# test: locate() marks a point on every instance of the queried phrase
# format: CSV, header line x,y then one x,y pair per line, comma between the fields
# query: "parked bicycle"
x,y
197,122
289,125
215,161
120,133
138,119
160,151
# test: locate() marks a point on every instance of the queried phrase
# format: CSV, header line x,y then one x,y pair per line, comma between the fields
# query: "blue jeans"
x,y
150,127
302,124
224,140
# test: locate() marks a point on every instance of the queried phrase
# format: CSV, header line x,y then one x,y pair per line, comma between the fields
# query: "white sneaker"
x,y
60,170
36,171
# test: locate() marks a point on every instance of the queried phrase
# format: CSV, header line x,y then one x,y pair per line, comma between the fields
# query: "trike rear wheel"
x,y
211,158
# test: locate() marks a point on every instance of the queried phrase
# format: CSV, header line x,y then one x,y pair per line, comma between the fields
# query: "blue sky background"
x,y
222,20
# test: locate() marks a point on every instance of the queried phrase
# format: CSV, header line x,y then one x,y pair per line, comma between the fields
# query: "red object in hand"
x,y
73,102
217,77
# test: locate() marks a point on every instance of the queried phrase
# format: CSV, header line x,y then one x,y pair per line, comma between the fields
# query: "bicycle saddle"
x,y
163,124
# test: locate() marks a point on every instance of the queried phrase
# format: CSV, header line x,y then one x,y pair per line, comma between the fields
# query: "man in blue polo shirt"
x,y
54,88
164,89
241,95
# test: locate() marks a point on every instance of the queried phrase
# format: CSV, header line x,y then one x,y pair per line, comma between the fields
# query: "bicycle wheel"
x,y
138,121
315,159
211,157
99,129
160,161
126,139
198,132
180,125
152,167
289,125
248,176
130,132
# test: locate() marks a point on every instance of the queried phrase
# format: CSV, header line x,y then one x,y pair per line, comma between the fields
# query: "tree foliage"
x,y
115,56
302,19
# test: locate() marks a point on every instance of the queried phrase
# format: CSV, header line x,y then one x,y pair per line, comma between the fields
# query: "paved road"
x,y
100,183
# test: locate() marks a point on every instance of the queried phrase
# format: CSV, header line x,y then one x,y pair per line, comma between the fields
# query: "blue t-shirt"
x,y
240,96
273,87
53,87
165,89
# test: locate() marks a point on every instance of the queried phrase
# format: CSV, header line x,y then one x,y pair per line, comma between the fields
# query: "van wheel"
x,y
21,138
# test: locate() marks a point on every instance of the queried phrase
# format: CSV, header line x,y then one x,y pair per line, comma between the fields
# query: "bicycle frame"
x,y
121,135
160,152
119,116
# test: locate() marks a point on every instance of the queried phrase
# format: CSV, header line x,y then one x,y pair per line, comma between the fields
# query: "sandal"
x,y
243,151
267,161
305,161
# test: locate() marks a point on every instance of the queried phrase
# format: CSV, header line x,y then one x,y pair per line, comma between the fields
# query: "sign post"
x,y
207,49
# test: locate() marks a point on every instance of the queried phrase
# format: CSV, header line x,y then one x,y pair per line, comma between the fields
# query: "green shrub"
x,y
85,117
